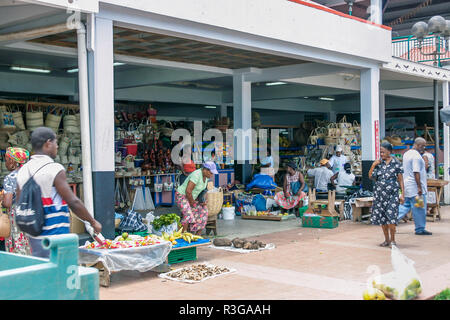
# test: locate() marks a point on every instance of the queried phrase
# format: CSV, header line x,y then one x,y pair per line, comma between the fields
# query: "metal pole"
x,y
436,129
84,119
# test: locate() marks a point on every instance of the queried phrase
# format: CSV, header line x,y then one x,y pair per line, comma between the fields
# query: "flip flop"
x,y
385,244
393,243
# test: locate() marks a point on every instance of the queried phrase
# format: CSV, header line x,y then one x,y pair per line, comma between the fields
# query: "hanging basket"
x,y
18,120
330,140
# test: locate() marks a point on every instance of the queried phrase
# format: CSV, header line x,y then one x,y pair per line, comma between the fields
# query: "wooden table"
x,y
436,186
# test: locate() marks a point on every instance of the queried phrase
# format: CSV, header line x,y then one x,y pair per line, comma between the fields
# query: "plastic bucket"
x,y
228,213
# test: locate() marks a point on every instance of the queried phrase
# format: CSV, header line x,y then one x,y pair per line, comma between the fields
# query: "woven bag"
x,y
52,121
333,130
214,202
18,120
5,226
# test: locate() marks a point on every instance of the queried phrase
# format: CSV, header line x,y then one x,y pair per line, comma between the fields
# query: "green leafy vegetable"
x,y
165,220
443,295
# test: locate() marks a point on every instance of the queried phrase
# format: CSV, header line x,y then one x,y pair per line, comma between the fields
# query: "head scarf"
x,y
292,165
19,155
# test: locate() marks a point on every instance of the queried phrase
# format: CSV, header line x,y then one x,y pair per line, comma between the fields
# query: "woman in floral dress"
x,y
388,176
288,198
17,241
193,208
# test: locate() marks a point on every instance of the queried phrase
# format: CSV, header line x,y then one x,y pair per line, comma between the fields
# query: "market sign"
x,y
88,6
377,139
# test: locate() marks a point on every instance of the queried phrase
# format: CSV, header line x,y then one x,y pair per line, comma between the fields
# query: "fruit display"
x,y
373,294
266,213
395,288
186,236
124,242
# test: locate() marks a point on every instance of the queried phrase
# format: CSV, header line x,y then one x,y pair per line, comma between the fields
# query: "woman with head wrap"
x,y
388,175
188,196
15,159
293,188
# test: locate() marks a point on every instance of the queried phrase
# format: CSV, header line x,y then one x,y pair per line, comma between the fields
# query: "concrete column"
x,y
376,11
370,108
445,103
332,116
382,114
101,99
242,116
223,110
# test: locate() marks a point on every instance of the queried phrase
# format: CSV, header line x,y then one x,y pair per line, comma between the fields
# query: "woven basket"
x,y
18,120
330,140
214,202
52,121
5,226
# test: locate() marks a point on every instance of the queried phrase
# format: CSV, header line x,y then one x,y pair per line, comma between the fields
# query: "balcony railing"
x,y
408,48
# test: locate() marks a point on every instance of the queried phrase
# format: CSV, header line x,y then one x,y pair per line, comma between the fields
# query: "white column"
x,y
376,11
103,86
101,100
370,111
242,112
445,103
382,114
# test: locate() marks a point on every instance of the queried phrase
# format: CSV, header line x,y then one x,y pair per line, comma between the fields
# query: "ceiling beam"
x,y
293,71
145,77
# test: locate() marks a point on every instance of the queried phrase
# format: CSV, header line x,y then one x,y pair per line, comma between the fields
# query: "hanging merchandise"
x,y
34,117
126,194
158,184
71,123
6,117
53,119
118,204
18,120
168,185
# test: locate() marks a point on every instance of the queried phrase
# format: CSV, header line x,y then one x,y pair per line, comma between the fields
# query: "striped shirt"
x,y
56,210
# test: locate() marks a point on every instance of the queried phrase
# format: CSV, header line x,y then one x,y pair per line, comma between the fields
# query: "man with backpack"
x,y
56,195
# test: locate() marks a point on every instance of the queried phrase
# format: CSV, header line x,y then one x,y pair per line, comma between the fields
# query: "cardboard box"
x,y
76,226
320,222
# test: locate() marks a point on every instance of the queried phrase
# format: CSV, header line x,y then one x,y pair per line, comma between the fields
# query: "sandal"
x,y
385,244
393,243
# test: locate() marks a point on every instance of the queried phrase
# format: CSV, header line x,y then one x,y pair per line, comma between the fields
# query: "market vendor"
x,y
293,187
344,178
194,210
267,165
338,160
322,176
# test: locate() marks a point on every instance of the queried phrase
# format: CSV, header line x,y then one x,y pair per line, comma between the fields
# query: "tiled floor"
x,y
306,263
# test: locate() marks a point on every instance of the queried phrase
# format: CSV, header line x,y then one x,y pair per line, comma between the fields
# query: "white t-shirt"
x,y
413,162
431,171
344,179
321,176
337,163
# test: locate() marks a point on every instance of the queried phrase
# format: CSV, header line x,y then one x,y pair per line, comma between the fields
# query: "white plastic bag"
x,y
167,229
149,205
139,202
401,284
149,218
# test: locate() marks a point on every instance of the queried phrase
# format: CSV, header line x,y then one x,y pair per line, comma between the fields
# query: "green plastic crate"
x,y
320,222
182,255
302,210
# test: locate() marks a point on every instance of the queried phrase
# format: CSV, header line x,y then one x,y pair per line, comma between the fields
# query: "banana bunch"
x,y
186,236
169,237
